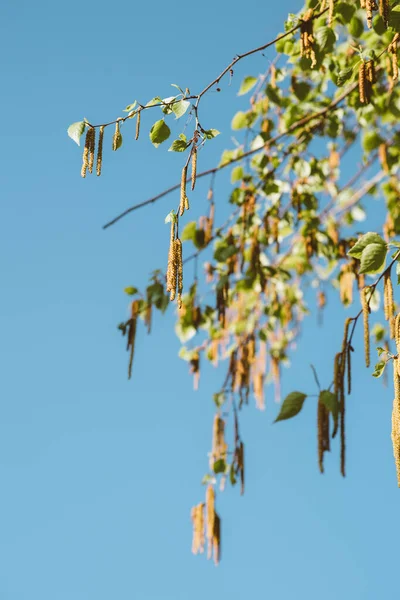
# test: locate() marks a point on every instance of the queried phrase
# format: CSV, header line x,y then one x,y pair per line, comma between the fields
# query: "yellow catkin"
x,y
99,160
219,446
197,515
91,150
393,52
117,137
365,309
86,151
368,7
362,3
384,11
194,167
337,380
184,204
388,297
361,83
397,333
138,124
330,12
370,71
382,152
171,268
321,413
179,269
348,370
210,518
216,541
396,418
132,334
273,77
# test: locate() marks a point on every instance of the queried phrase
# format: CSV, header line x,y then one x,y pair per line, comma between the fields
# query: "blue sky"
x,y
98,474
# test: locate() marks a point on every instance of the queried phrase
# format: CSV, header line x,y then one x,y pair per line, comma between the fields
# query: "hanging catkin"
x,y
210,518
397,333
179,269
138,124
393,52
219,446
91,150
217,539
307,37
382,153
99,160
330,12
184,202
365,309
323,433
389,301
396,418
132,334
361,83
197,515
117,137
369,6
362,3
194,167
370,71
171,268
384,11
89,141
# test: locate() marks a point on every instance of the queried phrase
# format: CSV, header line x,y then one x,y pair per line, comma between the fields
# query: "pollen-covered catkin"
x,y
330,12
179,269
91,150
362,3
86,151
210,518
138,124
382,153
217,539
361,83
368,6
397,333
171,268
384,11
117,137
365,309
132,334
396,418
197,515
183,199
99,160
194,167
370,71
393,52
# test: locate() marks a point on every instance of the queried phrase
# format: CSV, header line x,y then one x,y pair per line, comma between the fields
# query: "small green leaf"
x,y
343,76
177,87
155,100
356,27
247,84
240,120
371,140
380,350
211,133
159,132
326,38
130,107
368,238
345,11
75,131
219,399
189,231
379,369
208,479
171,216
291,406
219,466
394,18
373,258
180,108
232,474
178,146
131,291
237,174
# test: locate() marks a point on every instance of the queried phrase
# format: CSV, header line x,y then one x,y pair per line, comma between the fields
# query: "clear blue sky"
x,y
98,474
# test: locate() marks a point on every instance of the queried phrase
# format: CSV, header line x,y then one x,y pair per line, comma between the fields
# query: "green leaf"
x,y
291,406
159,133
371,140
208,479
178,146
171,216
380,350
177,87
240,120
379,369
180,108
219,466
356,27
130,107
75,131
378,25
331,403
343,76
211,133
232,474
301,89
247,84
219,399
189,231
131,291
373,258
155,100
368,238
326,38
345,11
394,18
237,174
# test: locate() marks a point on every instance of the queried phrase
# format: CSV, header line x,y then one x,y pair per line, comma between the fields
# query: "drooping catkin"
x,y
138,124
397,333
171,268
99,160
384,11
217,539
361,83
307,37
179,269
197,515
393,52
388,301
362,3
337,382
323,433
365,309
368,7
132,334
184,202
382,153
86,150
330,12
194,167
210,518
396,418
91,150
117,137
219,445
370,72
